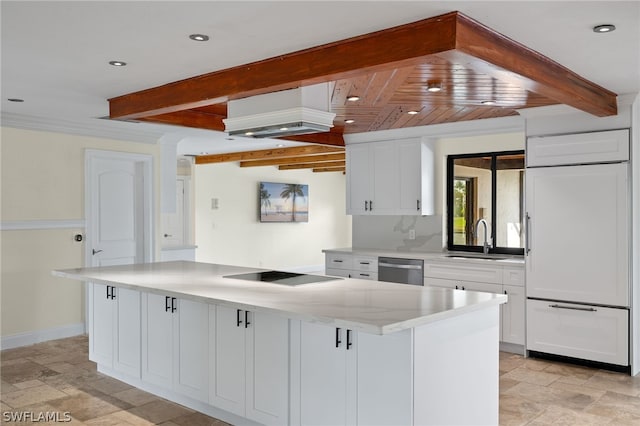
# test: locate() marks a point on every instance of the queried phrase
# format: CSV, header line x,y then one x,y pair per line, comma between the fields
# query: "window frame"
x,y
494,178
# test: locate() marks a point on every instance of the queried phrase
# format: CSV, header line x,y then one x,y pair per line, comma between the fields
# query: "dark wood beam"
x,y
489,52
294,160
189,118
312,165
395,47
294,151
329,169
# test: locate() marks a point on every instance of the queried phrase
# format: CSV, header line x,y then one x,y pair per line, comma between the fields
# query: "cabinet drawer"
x,y
463,272
513,276
568,329
365,275
464,285
346,273
365,263
338,261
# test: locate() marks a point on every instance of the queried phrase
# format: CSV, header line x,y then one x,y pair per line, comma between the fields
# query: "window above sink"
x,y
487,186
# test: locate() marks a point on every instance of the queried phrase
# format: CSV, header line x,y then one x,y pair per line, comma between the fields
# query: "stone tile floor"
x,y
57,377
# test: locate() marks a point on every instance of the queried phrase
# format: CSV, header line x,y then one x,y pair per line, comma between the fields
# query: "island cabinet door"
x,y
249,364
175,347
101,336
157,340
267,373
191,349
327,385
115,328
227,363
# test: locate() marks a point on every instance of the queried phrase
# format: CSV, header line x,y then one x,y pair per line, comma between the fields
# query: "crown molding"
x,y
119,130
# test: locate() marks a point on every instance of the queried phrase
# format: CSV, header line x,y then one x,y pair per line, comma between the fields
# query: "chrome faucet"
x,y
486,246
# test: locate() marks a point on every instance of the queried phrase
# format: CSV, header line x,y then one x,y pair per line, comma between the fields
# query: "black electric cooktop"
x,y
281,277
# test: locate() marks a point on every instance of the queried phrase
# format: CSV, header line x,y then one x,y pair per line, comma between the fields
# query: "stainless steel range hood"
x,y
285,113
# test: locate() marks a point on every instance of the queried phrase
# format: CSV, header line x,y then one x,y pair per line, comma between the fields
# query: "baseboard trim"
x,y
38,336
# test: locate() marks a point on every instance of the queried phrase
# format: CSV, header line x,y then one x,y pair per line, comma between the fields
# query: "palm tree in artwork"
x,y
292,190
264,198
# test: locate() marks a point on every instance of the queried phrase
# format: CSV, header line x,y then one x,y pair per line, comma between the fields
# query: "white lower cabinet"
x,y
513,323
508,280
580,331
350,378
249,364
114,338
351,266
175,344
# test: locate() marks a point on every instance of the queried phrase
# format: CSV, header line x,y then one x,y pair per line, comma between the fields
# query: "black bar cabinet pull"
x,y
113,292
108,295
370,205
366,205
418,204
338,341
173,304
349,342
238,320
246,319
166,304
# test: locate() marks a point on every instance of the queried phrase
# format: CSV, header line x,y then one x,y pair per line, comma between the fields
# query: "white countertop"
x,y
369,306
440,256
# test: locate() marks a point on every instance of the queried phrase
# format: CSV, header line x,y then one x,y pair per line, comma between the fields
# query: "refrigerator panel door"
x,y
579,331
578,234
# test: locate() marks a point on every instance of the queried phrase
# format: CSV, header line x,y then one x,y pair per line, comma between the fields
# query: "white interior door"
x,y
118,208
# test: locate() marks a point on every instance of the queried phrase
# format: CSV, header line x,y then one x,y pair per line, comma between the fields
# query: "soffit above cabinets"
x,y
389,71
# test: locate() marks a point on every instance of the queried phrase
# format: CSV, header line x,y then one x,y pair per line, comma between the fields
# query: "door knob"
x,y
94,251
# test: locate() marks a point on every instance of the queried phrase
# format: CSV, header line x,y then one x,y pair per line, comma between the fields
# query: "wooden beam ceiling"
x,y
266,154
389,58
319,158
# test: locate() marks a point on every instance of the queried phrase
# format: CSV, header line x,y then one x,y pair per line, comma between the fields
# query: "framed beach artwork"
x,y
284,202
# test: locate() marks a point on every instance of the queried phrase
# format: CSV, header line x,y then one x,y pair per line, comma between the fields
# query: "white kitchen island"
x,y
340,352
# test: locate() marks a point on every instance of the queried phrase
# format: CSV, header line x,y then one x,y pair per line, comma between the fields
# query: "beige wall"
x,y
43,179
232,234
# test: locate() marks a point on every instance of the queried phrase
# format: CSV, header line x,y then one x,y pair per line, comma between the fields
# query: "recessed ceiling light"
x,y
284,129
204,153
434,86
199,37
353,98
280,145
350,121
488,102
605,28
412,112
15,100
248,134
117,63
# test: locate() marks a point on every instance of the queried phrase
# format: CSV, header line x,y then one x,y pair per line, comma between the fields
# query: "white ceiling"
x,y
55,54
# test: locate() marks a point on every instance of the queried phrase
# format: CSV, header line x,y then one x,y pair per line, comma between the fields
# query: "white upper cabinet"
x,y
389,178
581,148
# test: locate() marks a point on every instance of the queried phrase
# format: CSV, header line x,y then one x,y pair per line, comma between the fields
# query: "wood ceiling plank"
x,y
399,46
294,160
312,165
267,154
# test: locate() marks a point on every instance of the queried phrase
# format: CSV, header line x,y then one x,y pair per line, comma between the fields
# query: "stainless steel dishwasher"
x,y
398,270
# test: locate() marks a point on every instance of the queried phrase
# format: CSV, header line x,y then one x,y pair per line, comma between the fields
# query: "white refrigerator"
x,y
577,250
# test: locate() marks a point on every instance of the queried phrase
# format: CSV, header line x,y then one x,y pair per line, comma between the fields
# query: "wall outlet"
x,y
412,234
